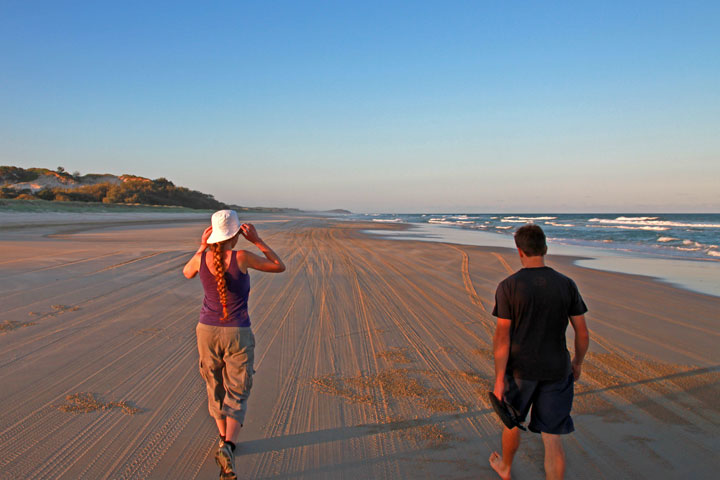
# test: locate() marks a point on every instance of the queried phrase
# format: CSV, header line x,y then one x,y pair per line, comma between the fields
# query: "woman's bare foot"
x,y
497,464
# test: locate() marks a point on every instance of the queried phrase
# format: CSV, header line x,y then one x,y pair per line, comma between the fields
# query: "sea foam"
x,y
516,219
651,221
442,221
628,227
690,242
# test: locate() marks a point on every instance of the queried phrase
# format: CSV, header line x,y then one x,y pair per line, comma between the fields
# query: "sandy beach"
x,y
373,360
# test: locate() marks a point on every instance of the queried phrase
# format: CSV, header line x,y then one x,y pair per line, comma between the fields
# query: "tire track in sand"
x,y
467,281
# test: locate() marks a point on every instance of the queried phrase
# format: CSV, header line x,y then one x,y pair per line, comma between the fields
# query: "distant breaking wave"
x,y
515,219
676,235
651,221
443,221
628,227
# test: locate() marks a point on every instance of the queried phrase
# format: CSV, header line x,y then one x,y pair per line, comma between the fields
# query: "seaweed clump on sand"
x,y
397,355
9,325
394,383
85,402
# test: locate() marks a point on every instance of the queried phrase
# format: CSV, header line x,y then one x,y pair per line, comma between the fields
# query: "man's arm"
x,y
501,352
582,342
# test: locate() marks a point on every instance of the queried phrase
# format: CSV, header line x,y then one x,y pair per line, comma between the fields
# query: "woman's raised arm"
x,y
271,263
192,267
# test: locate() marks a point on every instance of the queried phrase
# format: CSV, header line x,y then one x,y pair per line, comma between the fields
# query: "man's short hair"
x,y
530,239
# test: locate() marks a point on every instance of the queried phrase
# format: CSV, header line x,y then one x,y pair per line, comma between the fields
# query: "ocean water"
x,y
680,249
687,236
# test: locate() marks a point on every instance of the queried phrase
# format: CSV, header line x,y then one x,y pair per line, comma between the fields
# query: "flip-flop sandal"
x,y
505,412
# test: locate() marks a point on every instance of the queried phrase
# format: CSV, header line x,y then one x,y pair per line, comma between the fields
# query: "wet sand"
x,y
373,358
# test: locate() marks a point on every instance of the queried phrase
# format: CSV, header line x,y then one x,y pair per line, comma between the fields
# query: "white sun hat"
x,y
225,225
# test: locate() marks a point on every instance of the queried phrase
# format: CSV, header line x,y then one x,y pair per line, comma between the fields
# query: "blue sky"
x,y
375,106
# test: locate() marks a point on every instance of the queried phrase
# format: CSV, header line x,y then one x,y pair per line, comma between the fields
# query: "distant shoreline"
x,y
19,214
38,205
691,274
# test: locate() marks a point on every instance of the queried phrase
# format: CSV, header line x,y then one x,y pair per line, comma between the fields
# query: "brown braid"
x,y
219,264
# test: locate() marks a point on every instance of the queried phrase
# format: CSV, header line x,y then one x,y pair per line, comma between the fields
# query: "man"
x,y
532,363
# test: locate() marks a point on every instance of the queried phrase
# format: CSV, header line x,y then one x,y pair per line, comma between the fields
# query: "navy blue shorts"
x,y
551,402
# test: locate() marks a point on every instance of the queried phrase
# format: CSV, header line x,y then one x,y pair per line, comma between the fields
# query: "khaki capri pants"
x,y
227,355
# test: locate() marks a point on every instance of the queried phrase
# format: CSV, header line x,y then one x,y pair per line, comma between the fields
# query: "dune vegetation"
x,y
60,186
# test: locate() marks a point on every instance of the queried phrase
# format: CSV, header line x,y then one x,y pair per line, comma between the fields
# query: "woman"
x,y
225,341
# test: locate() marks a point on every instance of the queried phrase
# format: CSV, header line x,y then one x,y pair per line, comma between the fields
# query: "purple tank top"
x,y
238,290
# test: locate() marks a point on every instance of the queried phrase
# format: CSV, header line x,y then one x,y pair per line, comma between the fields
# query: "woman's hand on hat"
x,y
248,231
205,236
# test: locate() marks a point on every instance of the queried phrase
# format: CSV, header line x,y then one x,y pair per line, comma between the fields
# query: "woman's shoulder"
x,y
241,259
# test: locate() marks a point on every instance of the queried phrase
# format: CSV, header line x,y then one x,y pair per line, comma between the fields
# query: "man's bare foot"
x,y
497,464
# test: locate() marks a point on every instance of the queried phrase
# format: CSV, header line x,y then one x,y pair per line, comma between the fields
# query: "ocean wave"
x,y
515,218
635,219
442,221
653,229
628,227
694,244
682,236
652,221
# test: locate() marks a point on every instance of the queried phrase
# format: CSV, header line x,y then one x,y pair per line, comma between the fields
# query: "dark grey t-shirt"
x,y
539,302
